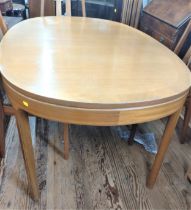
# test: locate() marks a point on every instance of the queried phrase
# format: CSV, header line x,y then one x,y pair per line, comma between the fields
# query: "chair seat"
x,y
18,7
11,21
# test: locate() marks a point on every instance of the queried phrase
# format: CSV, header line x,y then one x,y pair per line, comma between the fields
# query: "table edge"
x,y
86,105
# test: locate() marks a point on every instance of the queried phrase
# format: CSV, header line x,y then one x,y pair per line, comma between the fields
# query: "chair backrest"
x,y
44,5
131,12
3,25
187,58
68,8
183,38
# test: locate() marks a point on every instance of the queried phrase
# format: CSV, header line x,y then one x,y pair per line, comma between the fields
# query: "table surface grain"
x,y
83,61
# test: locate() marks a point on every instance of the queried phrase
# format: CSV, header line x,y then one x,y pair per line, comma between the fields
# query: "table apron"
x,y
97,117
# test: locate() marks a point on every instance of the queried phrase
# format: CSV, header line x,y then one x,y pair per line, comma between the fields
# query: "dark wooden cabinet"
x,y
166,20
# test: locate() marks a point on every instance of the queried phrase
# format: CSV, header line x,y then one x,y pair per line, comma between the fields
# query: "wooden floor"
x,y
102,172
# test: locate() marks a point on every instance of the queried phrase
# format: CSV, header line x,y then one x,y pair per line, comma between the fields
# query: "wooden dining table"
x,y
89,71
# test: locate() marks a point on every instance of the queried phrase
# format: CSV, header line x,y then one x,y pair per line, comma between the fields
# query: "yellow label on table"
x,y
25,103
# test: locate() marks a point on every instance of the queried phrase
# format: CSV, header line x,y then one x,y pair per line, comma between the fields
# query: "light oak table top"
x,y
89,72
84,62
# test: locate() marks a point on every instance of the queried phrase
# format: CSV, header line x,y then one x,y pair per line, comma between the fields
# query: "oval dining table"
x,y
89,71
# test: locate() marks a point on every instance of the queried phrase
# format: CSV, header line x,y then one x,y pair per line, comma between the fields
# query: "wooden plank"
x,y
66,141
102,172
171,178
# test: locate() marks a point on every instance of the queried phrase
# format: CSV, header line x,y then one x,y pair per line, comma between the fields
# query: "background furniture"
x,y
6,5
68,7
36,8
187,113
187,61
8,9
10,21
5,105
19,8
51,7
131,12
4,102
166,25
13,8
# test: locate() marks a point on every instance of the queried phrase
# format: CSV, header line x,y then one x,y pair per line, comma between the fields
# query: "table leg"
x,y
66,141
27,150
162,149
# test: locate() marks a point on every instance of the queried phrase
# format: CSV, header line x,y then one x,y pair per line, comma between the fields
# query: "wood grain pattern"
x,y
97,116
68,60
166,25
103,172
176,16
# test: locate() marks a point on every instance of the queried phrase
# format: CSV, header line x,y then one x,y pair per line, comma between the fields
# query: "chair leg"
x,y
66,141
132,134
2,132
187,118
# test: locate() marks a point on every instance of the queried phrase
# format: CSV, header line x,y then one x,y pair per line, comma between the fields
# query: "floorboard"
x,y
103,171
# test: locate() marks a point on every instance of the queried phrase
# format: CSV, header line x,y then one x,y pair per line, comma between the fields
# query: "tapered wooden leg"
x,y
132,134
27,150
66,141
2,132
187,118
162,149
